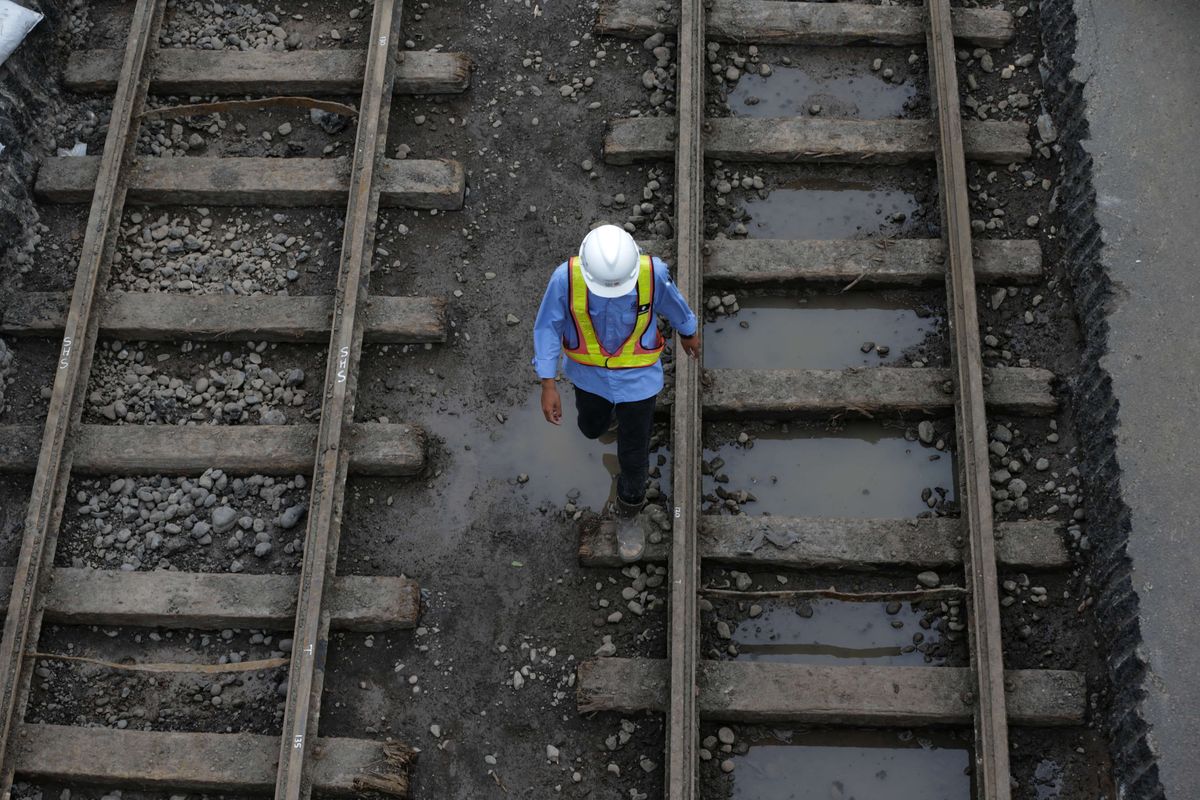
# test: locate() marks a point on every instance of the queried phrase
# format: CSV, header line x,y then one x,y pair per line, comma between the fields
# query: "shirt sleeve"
x,y
670,303
549,326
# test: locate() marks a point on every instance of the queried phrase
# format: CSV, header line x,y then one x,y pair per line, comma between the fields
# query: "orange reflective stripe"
x,y
589,350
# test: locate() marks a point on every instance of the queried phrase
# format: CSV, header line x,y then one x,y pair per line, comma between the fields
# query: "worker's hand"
x,y
691,344
551,403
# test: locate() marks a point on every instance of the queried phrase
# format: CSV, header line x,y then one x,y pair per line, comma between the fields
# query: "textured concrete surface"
x,y
1139,64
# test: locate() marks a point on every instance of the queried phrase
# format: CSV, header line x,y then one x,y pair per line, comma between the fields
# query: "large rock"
x,y
223,519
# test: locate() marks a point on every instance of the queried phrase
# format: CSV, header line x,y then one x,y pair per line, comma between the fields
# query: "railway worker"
x,y
600,311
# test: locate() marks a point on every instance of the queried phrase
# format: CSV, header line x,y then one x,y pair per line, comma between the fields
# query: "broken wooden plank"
x,y
814,139
874,390
224,763
774,692
766,22
762,542
245,181
137,316
376,449
212,600
258,72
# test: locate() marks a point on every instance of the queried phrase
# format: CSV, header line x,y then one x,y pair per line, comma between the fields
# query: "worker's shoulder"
x,y
559,275
661,270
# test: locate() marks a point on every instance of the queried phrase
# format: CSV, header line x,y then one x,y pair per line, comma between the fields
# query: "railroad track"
x,y
317,599
690,689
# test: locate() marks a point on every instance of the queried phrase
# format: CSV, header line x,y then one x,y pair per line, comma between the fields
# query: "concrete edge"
x,y
1095,405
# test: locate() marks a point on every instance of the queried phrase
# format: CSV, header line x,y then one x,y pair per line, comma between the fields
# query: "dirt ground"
x,y
485,686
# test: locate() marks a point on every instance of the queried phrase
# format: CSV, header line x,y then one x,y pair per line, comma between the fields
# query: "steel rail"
x,y
979,558
683,716
311,637
22,625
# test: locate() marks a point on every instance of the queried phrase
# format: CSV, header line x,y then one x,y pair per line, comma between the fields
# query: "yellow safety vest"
x,y
631,354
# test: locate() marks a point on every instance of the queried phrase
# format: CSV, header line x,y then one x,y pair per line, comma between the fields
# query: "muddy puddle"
x,y
543,463
864,469
858,764
837,632
811,88
816,332
822,208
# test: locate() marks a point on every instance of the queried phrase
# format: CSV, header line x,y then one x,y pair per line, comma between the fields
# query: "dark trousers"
x,y
634,424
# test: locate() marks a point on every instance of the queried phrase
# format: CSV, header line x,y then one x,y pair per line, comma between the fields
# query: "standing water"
x,y
795,90
837,632
822,208
863,470
821,332
543,462
854,765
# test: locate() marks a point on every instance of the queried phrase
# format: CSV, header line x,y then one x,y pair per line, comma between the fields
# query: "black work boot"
x,y
631,533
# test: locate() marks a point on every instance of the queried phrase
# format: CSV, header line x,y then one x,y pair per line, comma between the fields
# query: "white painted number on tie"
x,y
309,650
383,40
298,741
66,353
343,364
678,512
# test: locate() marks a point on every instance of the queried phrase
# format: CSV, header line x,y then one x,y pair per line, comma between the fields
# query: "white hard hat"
x,y
610,259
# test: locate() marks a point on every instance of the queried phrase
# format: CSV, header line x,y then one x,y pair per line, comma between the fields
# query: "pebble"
x,y
134,388
929,579
155,522
1046,130
223,519
246,254
291,516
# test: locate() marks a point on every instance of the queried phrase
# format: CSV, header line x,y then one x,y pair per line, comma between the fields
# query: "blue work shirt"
x,y
613,319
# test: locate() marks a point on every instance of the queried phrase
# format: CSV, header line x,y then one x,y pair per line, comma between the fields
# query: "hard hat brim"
x,y
621,290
